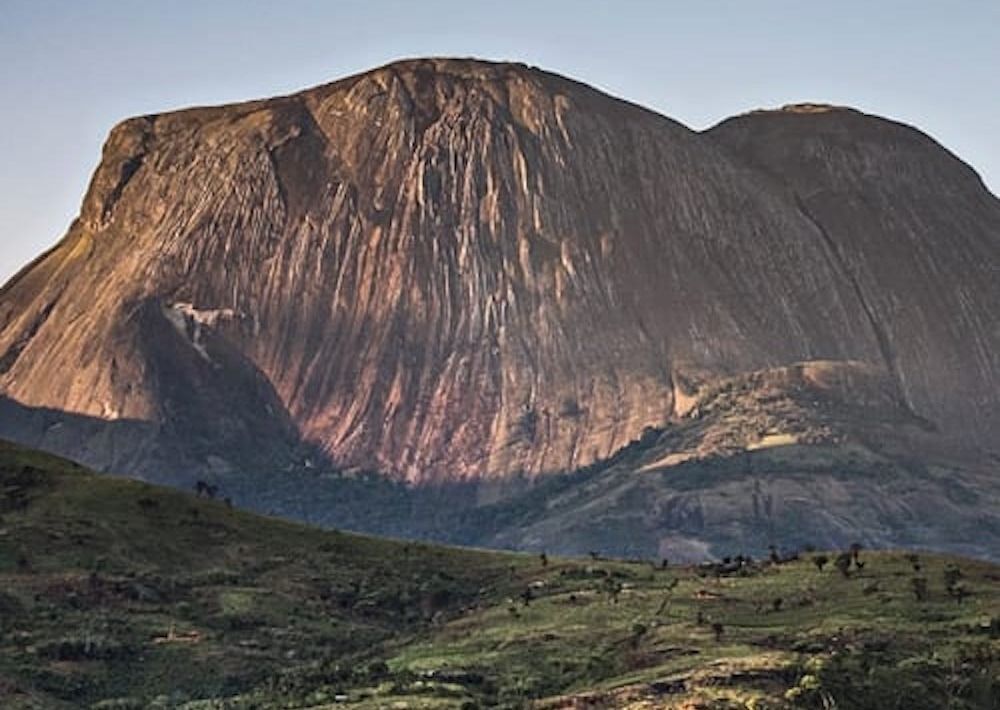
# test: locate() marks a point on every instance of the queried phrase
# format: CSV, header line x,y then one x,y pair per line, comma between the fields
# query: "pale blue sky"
x,y
71,69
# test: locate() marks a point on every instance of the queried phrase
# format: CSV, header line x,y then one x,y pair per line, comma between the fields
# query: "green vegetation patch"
x,y
116,594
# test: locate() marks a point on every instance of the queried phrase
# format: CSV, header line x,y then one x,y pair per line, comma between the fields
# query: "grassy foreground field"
x,y
116,594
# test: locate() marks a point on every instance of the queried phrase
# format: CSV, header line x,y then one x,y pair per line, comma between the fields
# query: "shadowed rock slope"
x,y
815,454
450,269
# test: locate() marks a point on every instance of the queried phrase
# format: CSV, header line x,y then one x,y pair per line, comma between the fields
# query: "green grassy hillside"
x,y
115,588
116,594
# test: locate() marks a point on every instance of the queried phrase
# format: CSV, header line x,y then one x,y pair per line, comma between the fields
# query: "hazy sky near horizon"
x,y
71,69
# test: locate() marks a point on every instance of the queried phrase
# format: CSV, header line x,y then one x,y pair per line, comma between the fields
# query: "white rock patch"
x,y
190,322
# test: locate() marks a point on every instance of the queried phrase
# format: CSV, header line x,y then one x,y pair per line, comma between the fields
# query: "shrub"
x,y
88,648
10,608
862,679
843,563
570,408
527,425
120,704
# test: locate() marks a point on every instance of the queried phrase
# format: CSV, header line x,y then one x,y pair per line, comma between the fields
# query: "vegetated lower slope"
x,y
117,594
116,588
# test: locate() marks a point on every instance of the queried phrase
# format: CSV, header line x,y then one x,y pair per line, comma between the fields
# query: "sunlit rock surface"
x,y
450,269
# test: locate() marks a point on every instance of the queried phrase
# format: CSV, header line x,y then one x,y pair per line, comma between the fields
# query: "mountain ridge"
x,y
453,271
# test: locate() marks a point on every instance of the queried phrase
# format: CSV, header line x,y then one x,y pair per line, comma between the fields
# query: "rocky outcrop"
x,y
449,269
818,454
916,234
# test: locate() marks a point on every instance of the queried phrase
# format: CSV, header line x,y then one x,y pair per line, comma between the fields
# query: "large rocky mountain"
x,y
451,270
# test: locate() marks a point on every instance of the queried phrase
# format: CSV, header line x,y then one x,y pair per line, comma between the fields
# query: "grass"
x,y
592,643
118,594
105,567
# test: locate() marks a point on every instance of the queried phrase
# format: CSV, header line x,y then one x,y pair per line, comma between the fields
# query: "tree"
x,y
638,631
205,489
148,504
951,576
920,588
959,592
613,587
843,563
666,598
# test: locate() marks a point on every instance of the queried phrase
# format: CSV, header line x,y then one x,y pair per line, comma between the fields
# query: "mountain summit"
x,y
452,269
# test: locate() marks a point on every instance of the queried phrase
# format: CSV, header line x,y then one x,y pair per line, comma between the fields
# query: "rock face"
x,y
915,233
448,270
821,453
